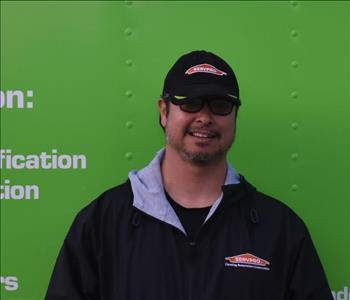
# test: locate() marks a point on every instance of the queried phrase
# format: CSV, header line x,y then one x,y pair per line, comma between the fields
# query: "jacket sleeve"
x,y
308,280
75,273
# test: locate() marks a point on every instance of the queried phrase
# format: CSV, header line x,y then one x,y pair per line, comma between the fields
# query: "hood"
x,y
149,196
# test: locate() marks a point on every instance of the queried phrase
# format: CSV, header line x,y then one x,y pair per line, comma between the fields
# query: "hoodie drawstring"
x,y
136,219
247,226
254,217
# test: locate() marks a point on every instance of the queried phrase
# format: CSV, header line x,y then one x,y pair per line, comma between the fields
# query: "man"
x,y
188,226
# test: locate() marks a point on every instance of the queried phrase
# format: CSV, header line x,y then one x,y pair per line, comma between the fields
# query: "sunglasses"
x,y
217,106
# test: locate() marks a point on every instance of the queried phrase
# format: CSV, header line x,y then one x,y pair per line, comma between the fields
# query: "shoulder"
x,y
274,213
275,224
113,205
271,205
113,198
276,210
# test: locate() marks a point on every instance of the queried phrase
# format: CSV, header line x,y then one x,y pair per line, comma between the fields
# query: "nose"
x,y
204,115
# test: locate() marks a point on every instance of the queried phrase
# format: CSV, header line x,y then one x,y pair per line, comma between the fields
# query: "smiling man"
x,y
188,226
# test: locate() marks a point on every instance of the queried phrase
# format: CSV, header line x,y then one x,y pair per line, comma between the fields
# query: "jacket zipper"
x,y
192,248
192,245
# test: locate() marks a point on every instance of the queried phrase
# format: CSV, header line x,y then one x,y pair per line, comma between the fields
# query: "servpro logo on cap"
x,y
205,68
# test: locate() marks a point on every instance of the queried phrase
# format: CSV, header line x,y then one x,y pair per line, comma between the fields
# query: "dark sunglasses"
x,y
218,106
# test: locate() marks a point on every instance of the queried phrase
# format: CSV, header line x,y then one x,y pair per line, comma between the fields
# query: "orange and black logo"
x,y
205,68
247,260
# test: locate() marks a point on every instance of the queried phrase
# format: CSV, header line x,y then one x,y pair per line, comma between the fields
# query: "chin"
x,y
202,157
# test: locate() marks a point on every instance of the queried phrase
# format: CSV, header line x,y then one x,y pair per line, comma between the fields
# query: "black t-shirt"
x,y
191,218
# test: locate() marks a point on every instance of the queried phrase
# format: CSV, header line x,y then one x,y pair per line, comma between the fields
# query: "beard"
x,y
202,158
198,157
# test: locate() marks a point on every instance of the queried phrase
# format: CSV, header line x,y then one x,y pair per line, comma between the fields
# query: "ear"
x,y
163,107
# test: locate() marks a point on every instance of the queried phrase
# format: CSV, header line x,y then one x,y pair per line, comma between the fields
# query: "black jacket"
x,y
252,248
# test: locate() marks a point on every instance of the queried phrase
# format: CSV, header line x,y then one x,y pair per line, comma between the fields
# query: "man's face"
x,y
201,137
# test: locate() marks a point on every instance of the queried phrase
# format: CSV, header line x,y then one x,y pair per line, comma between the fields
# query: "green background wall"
x,y
96,70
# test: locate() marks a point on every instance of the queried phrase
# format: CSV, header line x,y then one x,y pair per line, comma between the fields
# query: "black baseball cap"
x,y
200,74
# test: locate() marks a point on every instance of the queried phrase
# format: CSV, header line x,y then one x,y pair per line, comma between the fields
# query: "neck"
x,y
190,184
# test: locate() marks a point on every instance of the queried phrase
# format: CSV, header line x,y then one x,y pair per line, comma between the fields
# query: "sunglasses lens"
x,y
217,106
195,105
221,106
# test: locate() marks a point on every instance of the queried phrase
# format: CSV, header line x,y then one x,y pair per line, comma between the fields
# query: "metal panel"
x,y
96,69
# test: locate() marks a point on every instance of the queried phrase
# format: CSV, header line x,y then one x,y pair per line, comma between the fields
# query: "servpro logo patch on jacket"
x,y
247,260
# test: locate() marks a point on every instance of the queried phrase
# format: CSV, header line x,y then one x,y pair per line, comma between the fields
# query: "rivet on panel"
x,y
128,31
128,62
128,156
295,125
294,33
294,3
294,156
294,95
129,124
294,187
128,93
294,64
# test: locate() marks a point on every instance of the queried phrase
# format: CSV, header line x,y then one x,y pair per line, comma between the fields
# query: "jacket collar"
x,y
149,196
